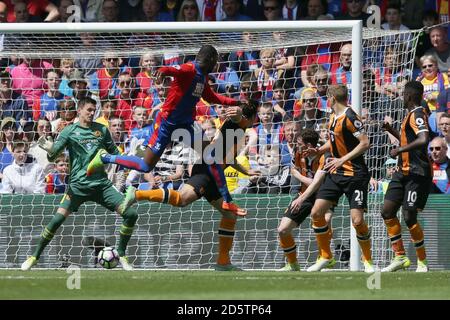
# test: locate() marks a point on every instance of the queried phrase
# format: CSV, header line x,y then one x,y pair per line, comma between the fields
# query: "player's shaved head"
x,y
414,91
207,58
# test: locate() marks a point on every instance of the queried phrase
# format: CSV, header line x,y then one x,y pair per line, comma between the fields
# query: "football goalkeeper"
x,y
202,184
83,140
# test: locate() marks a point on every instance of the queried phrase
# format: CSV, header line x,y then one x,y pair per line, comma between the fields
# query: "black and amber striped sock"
x,y
417,238
363,235
287,243
394,230
226,236
323,237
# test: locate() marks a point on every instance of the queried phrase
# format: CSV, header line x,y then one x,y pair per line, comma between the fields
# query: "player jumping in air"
x,y
201,183
83,140
178,112
411,184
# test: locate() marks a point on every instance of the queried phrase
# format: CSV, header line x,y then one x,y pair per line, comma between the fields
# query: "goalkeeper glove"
x,y
46,143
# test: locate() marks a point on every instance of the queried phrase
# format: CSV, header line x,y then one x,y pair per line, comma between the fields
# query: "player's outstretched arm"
x,y
318,179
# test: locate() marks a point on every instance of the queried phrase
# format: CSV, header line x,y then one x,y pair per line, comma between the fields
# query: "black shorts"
x,y
203,183
303,212
354,188
411,191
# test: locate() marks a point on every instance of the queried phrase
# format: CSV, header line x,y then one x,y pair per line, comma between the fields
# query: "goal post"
x,y
55,40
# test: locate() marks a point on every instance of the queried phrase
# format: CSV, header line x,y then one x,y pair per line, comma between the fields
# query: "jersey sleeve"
x,y
210,96
354,123
322,161
60,143
419,122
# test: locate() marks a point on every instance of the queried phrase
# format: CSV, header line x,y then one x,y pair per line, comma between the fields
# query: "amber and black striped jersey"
x,y
343,132
308,167
415,161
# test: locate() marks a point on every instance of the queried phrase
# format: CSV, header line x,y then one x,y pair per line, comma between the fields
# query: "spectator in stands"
x,y
43,128
355,12
78,83
8,131
444,125
391,166
433,81
162,89
343,74
244,61
293,10
67,115
39,10
391,78
429,19
272,10
285,58
316,8
141,129
65,69
153,13
21,12
189,11
89,41
127,98
118,135
267,74
3,12
149,63
90,10
211,10
327,55
291,131
283,105
105,80
13,104
130,10
65,10
27,78
58,180
441,48
115,173
23,175
110,11
109,107
311,117
209,128
394,22
440,162
231,9
47,104
323,133
249,89
322,81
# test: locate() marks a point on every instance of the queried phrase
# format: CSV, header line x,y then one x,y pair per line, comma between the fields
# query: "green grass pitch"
x,y
205,285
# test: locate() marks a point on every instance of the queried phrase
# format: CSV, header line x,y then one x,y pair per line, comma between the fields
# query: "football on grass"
x,y
108,258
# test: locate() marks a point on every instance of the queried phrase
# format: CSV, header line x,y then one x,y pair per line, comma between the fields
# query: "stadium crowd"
x,y
38,97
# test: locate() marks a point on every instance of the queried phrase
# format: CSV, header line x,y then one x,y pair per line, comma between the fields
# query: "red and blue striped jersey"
x,y
188,86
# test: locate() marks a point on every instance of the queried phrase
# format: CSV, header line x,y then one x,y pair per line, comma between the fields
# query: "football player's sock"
x,y
289,247
363,236
169,196
321,230
129,220
418,240
394,230
218,174
48,233
130,162
226,236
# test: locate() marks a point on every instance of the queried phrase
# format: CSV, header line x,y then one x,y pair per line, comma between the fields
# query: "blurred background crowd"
x,y
38,96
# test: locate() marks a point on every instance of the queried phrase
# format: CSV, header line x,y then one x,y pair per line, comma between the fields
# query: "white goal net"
x,y
47,71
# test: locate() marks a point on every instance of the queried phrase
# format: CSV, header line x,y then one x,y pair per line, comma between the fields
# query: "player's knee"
x,y
410,217
283,231
130,215
358,220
